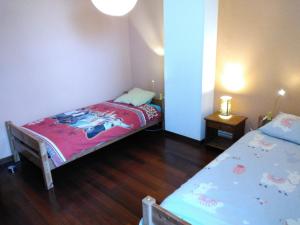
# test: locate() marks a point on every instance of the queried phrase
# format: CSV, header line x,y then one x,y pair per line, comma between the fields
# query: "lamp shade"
x,y
114,7
225,109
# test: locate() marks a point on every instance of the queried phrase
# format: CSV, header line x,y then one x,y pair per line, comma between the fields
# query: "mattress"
x,y
68,134
256,181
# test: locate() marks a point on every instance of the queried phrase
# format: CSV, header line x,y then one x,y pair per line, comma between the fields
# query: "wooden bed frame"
x,y
154,214
34,148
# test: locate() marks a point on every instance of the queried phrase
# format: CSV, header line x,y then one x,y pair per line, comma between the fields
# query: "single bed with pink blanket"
x,y
73,134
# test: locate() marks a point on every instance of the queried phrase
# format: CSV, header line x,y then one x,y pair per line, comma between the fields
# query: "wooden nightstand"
x,y
235,127
161,103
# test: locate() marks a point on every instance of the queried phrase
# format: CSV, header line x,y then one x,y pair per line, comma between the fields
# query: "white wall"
x,y
146,37
189,64
183,66
58,55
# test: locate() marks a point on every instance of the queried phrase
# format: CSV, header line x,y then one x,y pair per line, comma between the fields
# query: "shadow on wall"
x,y
146,40
147,65
147,20
207,98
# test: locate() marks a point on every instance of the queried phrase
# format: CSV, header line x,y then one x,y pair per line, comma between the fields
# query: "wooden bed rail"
x,y
153,214
32,148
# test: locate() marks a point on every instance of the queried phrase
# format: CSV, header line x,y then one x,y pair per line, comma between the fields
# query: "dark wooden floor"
x,y
103,188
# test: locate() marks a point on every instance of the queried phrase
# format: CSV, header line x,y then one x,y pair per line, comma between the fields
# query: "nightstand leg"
x,y
239,132
211,133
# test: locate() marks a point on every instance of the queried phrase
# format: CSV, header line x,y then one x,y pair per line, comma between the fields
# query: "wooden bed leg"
x,y
11,141
45,166
148,202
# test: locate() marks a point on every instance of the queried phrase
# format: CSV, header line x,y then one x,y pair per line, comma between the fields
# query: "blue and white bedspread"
x,y
256,181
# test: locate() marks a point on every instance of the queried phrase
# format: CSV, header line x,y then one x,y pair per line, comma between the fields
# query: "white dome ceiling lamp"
x,y
114,7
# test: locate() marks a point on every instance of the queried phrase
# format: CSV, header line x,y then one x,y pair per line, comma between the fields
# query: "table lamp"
x,y
225,110
280,94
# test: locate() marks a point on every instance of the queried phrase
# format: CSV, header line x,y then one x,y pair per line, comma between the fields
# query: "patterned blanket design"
x,y
69,133
256,181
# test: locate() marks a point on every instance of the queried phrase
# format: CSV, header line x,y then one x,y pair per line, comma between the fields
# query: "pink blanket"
x,y
70,133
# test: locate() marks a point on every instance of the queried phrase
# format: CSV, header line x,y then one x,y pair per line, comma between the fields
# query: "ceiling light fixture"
x,y
114,7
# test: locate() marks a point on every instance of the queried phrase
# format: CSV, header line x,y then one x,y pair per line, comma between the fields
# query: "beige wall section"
x,y
146,42
264,36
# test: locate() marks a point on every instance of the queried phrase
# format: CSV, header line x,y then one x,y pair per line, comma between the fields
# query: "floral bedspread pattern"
x,y
69,133
256,181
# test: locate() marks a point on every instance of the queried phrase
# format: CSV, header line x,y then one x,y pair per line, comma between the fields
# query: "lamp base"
x,y
225,117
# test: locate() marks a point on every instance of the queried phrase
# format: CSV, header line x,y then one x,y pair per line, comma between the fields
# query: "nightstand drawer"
x,y
227,128
212,124
219,126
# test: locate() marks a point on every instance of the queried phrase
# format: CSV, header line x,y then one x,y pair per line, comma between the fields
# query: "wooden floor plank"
x,y
105,187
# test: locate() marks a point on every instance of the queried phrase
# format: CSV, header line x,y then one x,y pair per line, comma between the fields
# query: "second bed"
x,y
256,181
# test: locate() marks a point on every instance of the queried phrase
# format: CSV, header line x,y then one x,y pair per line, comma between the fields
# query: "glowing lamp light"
x,y
276,105
159,51
233,77
114,7
281,92
225,110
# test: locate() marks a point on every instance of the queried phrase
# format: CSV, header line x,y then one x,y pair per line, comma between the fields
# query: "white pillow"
x,y
136,97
